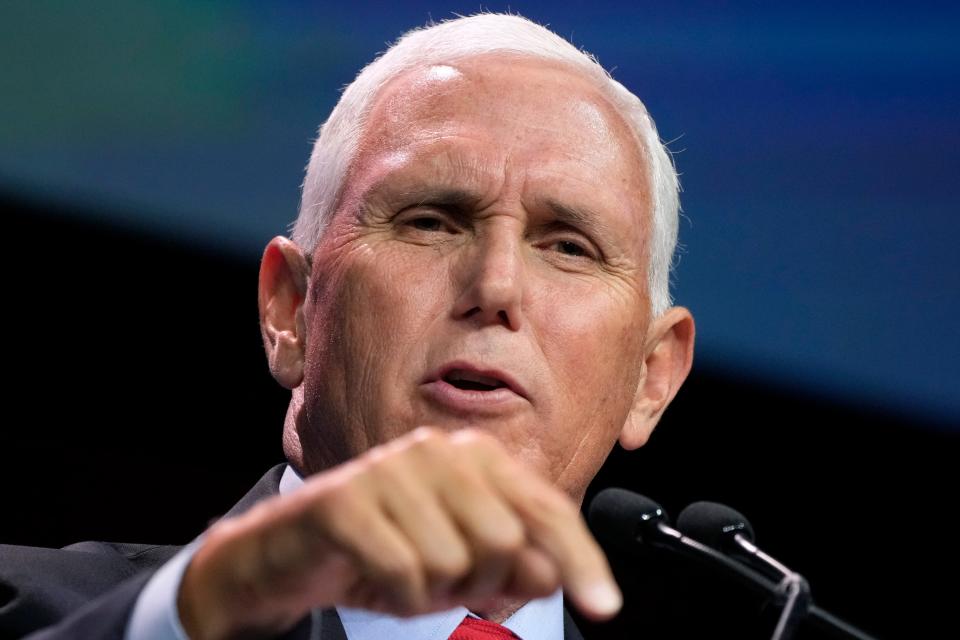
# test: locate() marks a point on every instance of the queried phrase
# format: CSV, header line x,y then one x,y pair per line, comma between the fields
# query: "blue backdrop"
x,y
818,145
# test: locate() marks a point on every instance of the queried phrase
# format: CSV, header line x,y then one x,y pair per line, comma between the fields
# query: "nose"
x,y
491,278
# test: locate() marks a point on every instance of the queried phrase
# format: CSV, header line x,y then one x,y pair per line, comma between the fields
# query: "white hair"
x,y
336,147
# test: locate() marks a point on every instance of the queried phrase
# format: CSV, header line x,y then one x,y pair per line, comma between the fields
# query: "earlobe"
x,y
284,273
668,358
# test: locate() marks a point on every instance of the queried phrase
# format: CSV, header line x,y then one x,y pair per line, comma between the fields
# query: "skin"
x,y
496,216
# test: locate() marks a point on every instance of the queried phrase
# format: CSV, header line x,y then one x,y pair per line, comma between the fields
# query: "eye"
x,y
424,223
570,248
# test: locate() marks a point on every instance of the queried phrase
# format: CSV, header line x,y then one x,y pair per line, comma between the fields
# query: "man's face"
x,y
486,267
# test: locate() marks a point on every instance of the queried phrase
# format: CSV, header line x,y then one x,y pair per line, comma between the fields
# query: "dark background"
x,y
140,407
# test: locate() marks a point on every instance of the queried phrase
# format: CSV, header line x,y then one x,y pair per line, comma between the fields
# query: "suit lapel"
x,y
570,631
266,487
328,626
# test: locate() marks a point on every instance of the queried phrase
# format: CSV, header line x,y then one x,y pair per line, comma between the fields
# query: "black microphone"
x,y
728,530
627,519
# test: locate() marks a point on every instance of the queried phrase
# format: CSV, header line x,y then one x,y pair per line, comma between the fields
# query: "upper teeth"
x,y
473,377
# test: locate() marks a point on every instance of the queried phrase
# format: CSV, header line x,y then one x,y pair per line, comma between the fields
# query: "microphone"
x,y
728,530
628,519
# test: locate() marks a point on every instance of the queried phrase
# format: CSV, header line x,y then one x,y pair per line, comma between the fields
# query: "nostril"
x,y
502,317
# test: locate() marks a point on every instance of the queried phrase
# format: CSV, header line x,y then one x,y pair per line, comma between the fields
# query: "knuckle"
x,y
464,476
389,471
338,497
402,567
330,507
281,551
506,539
449,566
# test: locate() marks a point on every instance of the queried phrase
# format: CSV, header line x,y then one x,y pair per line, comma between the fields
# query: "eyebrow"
x,y
582,218
462,201
452,197
455,198
567,213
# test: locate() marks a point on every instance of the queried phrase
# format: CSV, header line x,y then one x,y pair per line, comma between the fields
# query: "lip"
x,y
503,376
466,400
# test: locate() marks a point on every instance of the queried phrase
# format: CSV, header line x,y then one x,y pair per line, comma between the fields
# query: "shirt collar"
x,y
540,619
290,480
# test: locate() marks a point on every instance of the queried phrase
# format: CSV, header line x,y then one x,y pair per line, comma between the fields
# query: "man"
x,y
472,312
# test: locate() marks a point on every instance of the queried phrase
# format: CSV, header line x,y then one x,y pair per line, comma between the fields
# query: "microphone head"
x,y
623,517
713,524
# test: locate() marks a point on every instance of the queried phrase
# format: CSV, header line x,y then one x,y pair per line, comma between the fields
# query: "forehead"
x,y
505,118
515,92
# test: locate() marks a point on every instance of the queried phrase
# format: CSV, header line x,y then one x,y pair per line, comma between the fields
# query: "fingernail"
x,y
605,598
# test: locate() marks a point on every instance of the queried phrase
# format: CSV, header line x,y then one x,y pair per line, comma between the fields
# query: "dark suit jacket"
x,y
88,590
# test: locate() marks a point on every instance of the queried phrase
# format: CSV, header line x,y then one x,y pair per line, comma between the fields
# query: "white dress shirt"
x,y
155,615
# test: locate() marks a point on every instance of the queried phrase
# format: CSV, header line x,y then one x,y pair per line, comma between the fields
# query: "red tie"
x,y
476,629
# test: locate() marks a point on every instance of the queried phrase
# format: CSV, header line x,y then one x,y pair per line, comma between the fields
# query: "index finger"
x,y
553,524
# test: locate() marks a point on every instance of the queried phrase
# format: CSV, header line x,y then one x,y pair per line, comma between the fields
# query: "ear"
x,y
668,355
284,273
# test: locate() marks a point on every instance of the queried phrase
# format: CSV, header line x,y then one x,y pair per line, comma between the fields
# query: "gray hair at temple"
x,y
336,146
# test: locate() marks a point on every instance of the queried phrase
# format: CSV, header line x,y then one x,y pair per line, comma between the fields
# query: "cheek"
x,y
595,350
371,315
596,338
399,291
379,303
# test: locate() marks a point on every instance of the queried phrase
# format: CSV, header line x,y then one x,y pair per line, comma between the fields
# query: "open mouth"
x,y
472,381
465,389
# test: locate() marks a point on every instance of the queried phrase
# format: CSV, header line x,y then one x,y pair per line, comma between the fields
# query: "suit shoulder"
x,y
39,586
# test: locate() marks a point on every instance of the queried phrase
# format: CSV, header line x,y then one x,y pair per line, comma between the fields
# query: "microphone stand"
x,y
795,607
640,520
793,588
798,605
